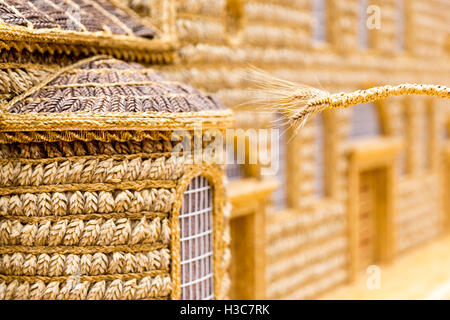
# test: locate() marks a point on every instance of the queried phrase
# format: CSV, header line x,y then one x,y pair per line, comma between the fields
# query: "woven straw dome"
x,y
103,93
110,85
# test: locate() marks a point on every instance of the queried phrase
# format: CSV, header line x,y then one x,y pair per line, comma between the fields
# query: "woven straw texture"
x,y
109,85
81,27
97,220
101,93
93,214
79,15
86,220
89,210
307,247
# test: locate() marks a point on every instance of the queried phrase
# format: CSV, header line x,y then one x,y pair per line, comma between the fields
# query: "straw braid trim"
x,y
57,264
95,232
214,176
29,65
104,277
115,121
343,100
325,100
98,136
106,85
154,52
128,71
145,288
75,250
86,217
84,202
116,84
85,136
90,187
123,157
90,170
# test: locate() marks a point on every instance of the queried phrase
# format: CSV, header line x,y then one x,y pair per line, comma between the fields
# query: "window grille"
x,y
320,156
280,195
365,121
196,227
320,28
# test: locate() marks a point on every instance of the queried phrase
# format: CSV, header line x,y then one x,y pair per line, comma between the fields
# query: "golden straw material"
x,y
90,187
299,102
80,28
108,94
96,220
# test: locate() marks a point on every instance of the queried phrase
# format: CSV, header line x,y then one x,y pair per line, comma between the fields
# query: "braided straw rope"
x,y
299,102
345,100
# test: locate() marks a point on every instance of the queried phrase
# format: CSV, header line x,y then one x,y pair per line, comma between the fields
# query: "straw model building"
x,y
94,204
355,186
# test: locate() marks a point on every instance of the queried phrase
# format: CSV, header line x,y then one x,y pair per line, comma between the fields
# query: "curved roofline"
x,y
89,120
72,42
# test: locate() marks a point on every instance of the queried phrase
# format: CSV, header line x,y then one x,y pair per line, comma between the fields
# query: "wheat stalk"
x,y
299,102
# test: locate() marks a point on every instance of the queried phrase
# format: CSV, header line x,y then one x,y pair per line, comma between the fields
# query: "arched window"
x,y
196,241
320,26
363,30
365,121
400,25
320,156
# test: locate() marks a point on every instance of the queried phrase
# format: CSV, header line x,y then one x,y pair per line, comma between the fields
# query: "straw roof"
x,y
80,27
106,93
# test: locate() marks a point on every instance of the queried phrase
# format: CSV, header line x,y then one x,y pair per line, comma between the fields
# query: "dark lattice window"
x,y
196,226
